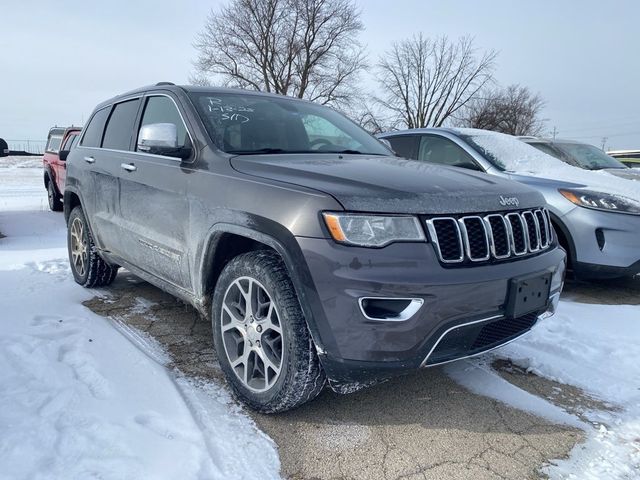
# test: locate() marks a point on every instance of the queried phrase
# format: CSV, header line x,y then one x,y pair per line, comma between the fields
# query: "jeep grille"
x,y
496,236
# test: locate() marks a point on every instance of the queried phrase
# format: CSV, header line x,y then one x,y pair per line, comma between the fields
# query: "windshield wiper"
x,y
348,152
260,151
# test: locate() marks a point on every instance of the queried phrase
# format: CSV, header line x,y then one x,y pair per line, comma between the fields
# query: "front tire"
x,y
55,204
261,337
88,267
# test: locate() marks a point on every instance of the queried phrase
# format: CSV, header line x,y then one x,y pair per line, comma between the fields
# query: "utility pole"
x,y
604,142
554,132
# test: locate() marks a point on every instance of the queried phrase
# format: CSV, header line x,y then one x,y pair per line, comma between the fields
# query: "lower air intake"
x,y
476,338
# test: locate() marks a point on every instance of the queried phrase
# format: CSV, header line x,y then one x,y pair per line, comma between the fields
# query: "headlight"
x,y
372,230
601,201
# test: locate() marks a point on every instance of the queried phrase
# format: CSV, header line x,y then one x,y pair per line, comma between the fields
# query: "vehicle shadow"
x,y
620,291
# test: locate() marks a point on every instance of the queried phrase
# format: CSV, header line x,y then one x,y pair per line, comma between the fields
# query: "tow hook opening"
x,y
389,309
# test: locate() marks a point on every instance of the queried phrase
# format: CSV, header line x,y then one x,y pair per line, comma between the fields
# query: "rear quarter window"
x,y
53,144
93,132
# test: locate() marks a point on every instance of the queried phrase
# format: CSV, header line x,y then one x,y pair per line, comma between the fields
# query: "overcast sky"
x,y
58,59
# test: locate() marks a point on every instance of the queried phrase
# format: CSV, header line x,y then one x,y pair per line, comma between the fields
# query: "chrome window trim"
x,y
144,96
434,238
465,238
491,239
110,106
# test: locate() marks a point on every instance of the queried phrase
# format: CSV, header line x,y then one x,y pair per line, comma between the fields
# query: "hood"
x,y
626,173
391,184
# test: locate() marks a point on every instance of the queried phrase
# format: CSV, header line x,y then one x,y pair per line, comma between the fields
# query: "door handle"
x,y
89,159
129,167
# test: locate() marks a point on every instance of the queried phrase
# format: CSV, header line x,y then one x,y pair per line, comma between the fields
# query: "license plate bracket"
x,y
528,294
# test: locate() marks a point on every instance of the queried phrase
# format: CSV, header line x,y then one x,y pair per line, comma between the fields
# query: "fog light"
x,y
389,309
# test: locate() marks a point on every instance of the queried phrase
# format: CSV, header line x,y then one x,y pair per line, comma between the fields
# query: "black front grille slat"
x,y
500,236
476,238
460,240
517,232
544,232
449,241
530,222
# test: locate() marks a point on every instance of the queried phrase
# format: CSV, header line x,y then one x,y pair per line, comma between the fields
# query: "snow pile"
x,y
78,399
516,156
594,347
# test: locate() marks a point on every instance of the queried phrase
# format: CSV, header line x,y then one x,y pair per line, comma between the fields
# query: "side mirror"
x,y
161,139
63,154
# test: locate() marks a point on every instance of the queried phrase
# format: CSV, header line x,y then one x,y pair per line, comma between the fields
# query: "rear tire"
x,y
88,267
55,203
261,337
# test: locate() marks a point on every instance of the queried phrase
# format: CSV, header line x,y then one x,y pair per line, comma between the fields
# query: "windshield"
x,y
246,124
588,156
506,152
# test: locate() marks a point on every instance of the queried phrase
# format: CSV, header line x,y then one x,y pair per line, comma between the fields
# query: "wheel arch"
x,y
72,199
564,238
48,175
225,241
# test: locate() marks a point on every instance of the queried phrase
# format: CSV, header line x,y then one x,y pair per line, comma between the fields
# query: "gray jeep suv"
x,y
316,253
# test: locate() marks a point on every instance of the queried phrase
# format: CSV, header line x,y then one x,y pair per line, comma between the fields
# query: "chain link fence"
x,y
35,147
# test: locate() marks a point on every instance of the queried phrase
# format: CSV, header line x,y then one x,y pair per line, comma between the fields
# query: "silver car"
x,y
582,155
595,214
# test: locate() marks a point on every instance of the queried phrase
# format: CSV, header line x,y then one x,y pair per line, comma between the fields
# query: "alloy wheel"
x,y
78,247
252,334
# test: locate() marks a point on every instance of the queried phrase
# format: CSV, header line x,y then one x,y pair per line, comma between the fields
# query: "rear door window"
x,y
92,136
161,109
445,152
117,134
405,145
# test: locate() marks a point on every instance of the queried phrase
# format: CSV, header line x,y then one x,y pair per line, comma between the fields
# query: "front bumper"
x,y
605,244
356,349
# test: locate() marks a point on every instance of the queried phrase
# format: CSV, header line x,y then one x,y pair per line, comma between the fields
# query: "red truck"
x,y
59,142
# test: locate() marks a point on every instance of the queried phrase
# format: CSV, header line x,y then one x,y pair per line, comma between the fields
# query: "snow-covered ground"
x,y
595,348
78,399
82,399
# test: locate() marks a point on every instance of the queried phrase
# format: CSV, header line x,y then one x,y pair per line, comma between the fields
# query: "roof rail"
x,y
164,83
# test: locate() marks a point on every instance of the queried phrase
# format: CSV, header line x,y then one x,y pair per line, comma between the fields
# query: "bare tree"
x,y
513,110
302,48
425,81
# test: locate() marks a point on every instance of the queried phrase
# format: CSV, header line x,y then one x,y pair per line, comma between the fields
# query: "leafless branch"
x,y
302,48
513,110
425,81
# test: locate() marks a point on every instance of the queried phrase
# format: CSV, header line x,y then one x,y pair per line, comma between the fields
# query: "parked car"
x,y
316,253
631,158
4,148
582,155
59,142
596,216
